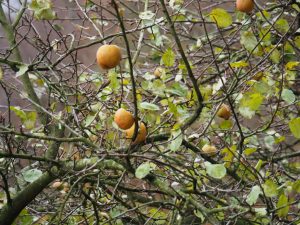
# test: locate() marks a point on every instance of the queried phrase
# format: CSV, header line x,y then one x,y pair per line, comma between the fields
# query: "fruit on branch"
x,y
245,5
66,186
209,149
108,56
158,71
123,119
57,185
224,112
141,136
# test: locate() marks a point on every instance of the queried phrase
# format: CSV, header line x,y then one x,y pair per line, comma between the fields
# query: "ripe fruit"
x,y
209,149
158,72
142,133
224,112
123,119
57,185
108,56
245,5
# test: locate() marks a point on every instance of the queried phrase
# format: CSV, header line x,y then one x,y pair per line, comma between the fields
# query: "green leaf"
x,y
30,120
19,112
270,188
144,169
168,58
176,140
291,65
282,25
221,17
294,126
239,64
42,9
252,101
226,124
249,151
89,119
24,218
249,41
149,106
177,89
31,175
23,68
275,56
114,82
217,171
296,186
253,195
288,96
283,205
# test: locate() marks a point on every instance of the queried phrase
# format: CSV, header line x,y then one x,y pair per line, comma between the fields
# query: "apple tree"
x,y
214,83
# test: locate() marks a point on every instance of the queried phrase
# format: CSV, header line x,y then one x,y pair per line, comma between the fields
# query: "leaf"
x,y
288,96
42,9
253,195
283,205
149,106
19,112
252,101
249,151
275,56
144,169
296,186
291,65
176,140
217,171
282,25
23,68
31,175
114,82
147,15
177,89
239,64
30,120
294,126
246,112
24,218
249,41
270,188
221,17
168,58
